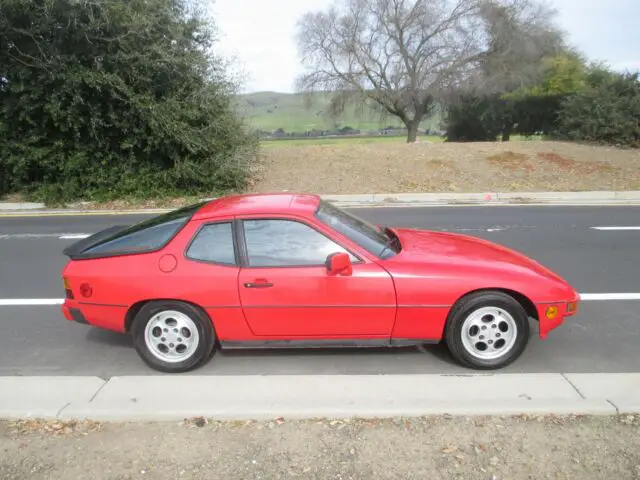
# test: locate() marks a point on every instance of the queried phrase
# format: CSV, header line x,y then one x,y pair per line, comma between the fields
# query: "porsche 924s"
x,y
292,270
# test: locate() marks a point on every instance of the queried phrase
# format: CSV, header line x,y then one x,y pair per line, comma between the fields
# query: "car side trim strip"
x,y
92,304
327,306
333,343
221,306
424,306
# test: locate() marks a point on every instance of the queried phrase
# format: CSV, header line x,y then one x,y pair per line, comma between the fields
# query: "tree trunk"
x,y
506,133
412,134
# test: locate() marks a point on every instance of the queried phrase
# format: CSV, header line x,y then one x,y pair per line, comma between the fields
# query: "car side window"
x,y
213,243
283,243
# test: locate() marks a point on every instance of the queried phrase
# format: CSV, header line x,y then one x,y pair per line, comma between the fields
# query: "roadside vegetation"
x,y
130,102
102,100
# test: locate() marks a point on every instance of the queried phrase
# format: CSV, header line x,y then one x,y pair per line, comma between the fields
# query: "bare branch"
x,y
405,55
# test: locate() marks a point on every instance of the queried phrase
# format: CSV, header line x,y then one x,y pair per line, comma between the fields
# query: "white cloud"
x,y
605,31
261,35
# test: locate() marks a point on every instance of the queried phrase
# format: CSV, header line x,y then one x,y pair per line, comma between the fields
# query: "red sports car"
x,y
291,270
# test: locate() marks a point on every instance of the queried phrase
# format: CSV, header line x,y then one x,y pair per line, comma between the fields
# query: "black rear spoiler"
x,y
75,250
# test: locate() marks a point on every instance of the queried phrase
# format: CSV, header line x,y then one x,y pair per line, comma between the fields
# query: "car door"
x,y
285,290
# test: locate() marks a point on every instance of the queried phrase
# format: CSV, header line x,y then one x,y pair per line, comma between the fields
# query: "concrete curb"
x,y
394,199
14,206
309,396
491,198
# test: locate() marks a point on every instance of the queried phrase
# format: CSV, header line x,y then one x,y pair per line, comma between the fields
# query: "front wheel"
x,y
172,337
487,330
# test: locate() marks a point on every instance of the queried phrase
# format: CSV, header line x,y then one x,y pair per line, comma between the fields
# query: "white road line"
x,y
24,236
609,296
74,236
31,302
493,228
615,228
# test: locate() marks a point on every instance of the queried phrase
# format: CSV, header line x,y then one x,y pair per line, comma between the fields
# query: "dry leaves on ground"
x,y
52,427
449,167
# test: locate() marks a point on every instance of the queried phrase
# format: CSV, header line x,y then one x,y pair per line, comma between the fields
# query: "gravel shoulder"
x,y
386,167
423,448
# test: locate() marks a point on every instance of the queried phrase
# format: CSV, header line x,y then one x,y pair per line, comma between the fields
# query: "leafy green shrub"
x,y
527,109
483,118
100,100
607,111
474,118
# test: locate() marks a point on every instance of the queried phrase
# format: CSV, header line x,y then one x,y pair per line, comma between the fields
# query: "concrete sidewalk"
x,y
308,396
393,199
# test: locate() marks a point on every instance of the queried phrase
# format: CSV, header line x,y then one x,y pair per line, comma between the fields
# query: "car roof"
x,y
259,203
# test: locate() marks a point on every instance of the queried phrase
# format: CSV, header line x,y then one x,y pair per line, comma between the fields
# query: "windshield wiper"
x,y
392,238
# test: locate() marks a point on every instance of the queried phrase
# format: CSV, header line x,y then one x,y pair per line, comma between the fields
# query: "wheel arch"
x,y
134,309
521,298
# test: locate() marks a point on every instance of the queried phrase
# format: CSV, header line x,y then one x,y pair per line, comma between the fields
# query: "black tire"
x,y
471,303
203,324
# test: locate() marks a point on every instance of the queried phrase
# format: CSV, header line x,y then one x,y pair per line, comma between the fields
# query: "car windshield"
x,y
380,242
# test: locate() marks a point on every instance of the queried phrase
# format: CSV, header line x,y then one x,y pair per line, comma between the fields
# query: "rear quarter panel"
x,y
118,283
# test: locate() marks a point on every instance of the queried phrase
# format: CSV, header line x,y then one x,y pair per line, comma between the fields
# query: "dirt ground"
x,y
448,167
501,448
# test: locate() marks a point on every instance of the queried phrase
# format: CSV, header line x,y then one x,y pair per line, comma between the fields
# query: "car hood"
x,y
453,248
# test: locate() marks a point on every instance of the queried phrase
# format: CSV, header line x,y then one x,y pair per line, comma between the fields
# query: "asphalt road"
x,y
37,340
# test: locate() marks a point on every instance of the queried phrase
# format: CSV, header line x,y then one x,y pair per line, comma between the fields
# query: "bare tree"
x,y
401,56
519,33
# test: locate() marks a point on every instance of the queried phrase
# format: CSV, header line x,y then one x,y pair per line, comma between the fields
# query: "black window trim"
x,y
78,250
234,237
244,255
376,255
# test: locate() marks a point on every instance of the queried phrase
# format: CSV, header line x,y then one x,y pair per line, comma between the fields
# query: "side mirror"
x,y
339,264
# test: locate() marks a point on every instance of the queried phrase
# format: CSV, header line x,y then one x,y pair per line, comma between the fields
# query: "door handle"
x,y
258,285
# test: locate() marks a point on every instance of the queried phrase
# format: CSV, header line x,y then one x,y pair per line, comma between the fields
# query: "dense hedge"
x,y
604,108
607,111
484,118
100,100
474,118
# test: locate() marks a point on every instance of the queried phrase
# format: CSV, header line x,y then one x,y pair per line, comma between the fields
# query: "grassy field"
x,y
355,140
272,110
344,142
393,166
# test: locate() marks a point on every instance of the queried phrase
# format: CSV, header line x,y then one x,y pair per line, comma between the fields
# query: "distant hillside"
x,y
271,111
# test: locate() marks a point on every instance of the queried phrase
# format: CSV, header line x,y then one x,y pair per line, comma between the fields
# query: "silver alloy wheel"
x,y
171,336
489,333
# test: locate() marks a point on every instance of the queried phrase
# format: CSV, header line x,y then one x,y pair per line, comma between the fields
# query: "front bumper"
x,y
552,315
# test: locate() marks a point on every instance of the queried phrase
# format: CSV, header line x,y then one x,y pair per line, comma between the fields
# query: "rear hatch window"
x,y
143,237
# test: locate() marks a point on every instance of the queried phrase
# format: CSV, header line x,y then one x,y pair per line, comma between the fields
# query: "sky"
x,y
259,35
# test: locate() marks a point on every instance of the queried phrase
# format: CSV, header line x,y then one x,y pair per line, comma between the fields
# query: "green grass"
x,y
271,110
521,138
341,141
344,141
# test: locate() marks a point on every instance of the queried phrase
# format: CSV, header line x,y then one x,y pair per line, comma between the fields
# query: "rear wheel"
x,y
487,330
172,336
